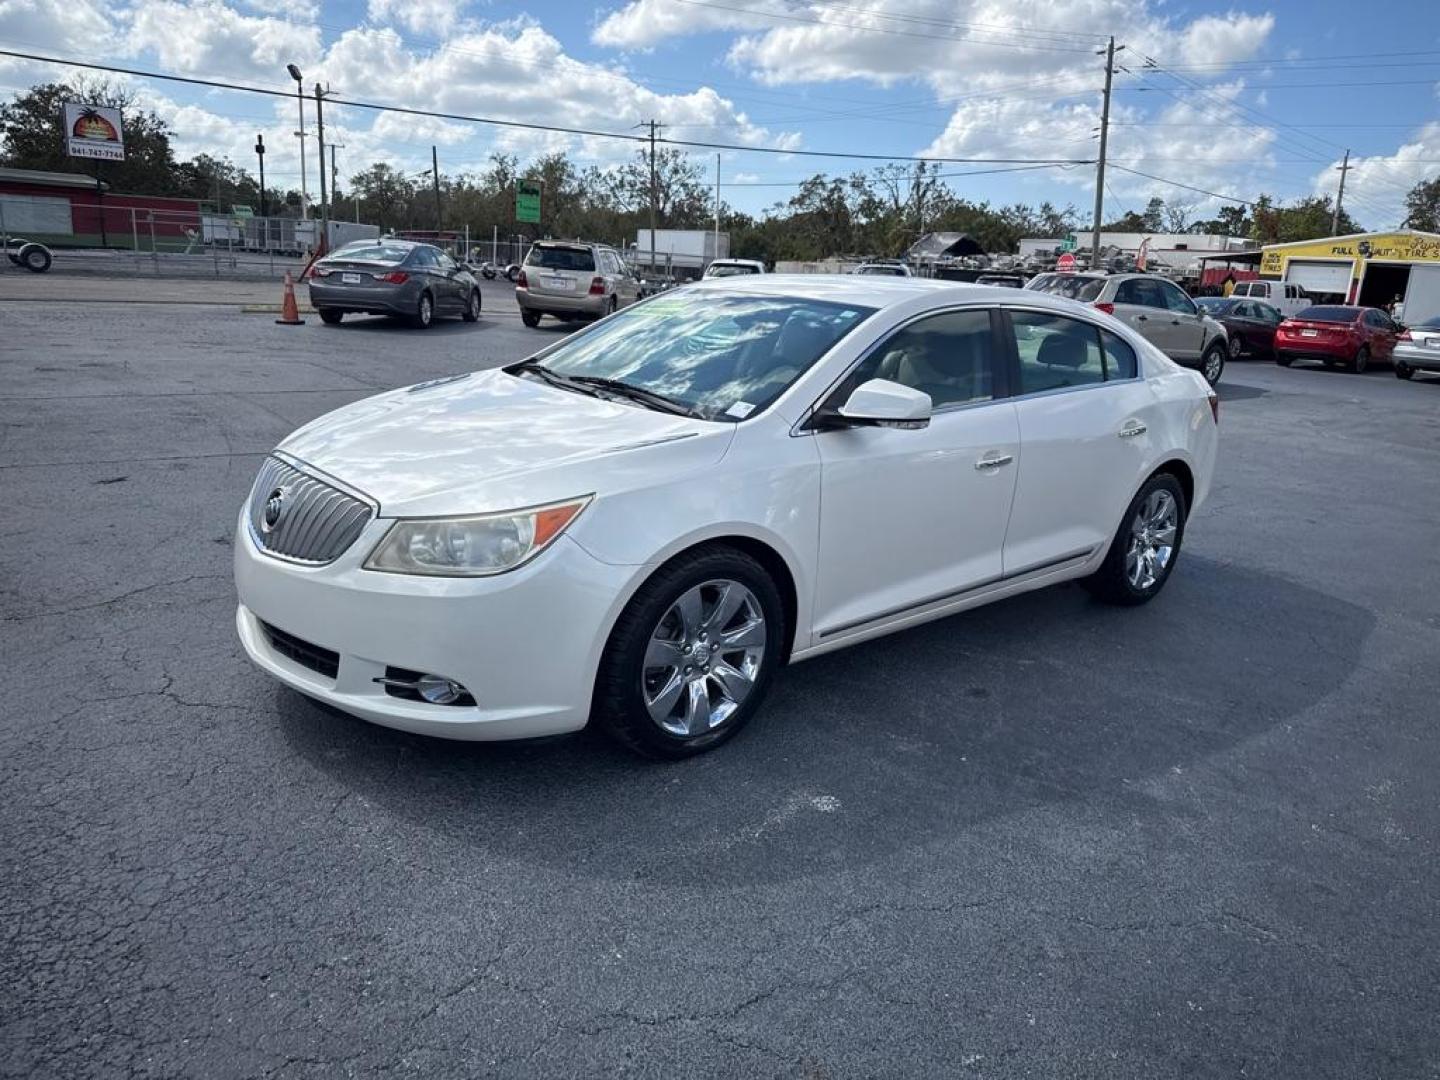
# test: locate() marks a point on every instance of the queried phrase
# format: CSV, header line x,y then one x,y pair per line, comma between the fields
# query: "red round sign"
x,y
1066,262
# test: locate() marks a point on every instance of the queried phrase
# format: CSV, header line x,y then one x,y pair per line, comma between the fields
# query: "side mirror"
x,y
882,403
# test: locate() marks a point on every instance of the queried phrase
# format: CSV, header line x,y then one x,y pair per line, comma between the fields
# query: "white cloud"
x,y
417,16
211,39
1376,185
644,23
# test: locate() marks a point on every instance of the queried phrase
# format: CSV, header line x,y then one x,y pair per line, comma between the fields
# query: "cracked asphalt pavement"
x,y
1045,838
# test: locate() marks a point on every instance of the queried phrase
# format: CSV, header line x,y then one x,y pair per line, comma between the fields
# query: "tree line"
x,y
878,212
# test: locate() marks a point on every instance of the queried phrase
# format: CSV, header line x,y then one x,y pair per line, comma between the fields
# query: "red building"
x,y
73,210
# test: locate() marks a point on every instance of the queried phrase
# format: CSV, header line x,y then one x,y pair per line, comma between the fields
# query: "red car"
x,y
1336,334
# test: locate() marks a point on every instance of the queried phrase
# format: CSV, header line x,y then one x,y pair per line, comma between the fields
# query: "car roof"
x,y
872,292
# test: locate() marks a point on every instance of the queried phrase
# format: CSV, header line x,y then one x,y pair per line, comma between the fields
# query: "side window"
x,y
1175,298
1243,289
1270,315
948,356
1056,352
1129,292
1120,362
445,263
424,258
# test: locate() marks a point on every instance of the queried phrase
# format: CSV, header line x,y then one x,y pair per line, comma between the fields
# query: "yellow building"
x,y
1368,268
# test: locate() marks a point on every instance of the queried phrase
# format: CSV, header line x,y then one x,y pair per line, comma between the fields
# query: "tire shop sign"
x,y
94,131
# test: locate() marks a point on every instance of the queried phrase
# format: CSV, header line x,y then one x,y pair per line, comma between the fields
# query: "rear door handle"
x,y
994,462
1133,428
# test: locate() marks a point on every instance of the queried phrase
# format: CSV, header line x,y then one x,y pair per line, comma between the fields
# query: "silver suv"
x,y
1157,309
573,280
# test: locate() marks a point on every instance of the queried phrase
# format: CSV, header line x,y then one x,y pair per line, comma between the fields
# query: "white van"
x,y
1284,295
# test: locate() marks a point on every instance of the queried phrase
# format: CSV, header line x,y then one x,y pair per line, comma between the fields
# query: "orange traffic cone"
x,y
289,312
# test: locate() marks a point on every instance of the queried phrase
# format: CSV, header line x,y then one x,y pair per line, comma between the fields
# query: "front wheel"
x,y
424,312
472,307
35,258
1361,361
692,656
1212,364
530,318
1403,370
1145,548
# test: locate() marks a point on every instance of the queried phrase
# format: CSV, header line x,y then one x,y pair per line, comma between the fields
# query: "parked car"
x,y
1249,324
1336,334
1418,349
734,267
573,281
643,522
882,270
1153,307
1009,281
392,277
1285,296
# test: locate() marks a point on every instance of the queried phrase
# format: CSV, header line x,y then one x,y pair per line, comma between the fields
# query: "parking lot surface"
x,y
1044,838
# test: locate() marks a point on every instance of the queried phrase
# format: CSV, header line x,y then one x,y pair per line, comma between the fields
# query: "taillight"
x,y
395,277
597,286
1215,406
318,271
1404,336
1108,309
521,282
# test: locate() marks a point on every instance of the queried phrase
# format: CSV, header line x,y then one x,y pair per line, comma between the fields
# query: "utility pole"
x,y
435,178
324,245
716,253
1335,217
654,196
260,153
1100,164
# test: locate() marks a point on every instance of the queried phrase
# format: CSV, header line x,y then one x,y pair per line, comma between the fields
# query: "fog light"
x,y
439,690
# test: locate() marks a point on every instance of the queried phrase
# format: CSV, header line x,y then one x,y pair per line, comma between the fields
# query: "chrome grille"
x,y
315,522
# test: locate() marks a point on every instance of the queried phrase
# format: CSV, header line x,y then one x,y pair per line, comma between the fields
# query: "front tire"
x,y
1403,370
1145,547
1212,363
472,307
35,258
1361,361
530,318
692,656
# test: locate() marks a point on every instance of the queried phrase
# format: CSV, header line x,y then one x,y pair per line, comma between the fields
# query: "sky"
x,y
1231,100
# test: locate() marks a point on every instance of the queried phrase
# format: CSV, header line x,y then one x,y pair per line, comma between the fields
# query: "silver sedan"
x,y
1418,349
392,277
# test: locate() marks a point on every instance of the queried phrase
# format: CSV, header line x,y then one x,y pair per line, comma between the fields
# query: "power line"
x,y
530,126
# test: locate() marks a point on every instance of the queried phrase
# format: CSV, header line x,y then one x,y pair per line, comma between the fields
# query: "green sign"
x,y
1068,244
527,201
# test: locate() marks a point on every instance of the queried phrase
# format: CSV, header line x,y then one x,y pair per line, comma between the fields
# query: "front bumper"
x,y
1419,357
526,644
548,303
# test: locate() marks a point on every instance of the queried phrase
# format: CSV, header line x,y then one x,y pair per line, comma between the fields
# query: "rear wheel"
x,y
1361,360
1212,364
1145,548
35,258
529,318
329,316
1237,346
691,657
472,307
1283,359
424,312
1403,370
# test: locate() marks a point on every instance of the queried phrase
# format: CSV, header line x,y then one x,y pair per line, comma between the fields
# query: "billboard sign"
x,y
527,201
94,131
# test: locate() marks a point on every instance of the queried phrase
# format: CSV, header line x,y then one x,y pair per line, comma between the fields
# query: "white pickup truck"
x,y
1284,296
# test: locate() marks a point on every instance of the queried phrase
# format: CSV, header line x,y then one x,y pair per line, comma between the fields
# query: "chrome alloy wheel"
x,y
703,657
1152,539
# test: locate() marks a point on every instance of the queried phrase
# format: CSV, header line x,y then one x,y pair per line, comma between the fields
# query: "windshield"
x,y
1071,286
890,271
379,252
558,258
1215,305
722,355
729,270
1327,313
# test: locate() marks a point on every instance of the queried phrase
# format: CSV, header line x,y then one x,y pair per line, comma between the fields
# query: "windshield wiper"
x,y
554,378
639,394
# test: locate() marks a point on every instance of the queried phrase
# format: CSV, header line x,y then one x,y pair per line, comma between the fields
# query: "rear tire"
x,y
1282,359
472,307
424,312
1403,370
1212,363
1145,546
530,318
647,687
329,316
1237,347
35,258
1361,361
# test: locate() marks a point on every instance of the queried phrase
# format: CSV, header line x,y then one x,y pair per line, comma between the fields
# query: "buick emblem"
x,y
274,508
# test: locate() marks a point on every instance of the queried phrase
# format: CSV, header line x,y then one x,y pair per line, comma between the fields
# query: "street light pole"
x,y
320,143
300,101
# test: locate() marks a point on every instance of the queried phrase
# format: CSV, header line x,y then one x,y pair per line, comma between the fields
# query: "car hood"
x,y
490,441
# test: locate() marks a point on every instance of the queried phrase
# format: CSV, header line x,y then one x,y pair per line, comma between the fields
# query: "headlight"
x,y
472,546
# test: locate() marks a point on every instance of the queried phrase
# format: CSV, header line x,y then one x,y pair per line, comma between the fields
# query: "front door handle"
x,y
994,462
1142,318
1130,430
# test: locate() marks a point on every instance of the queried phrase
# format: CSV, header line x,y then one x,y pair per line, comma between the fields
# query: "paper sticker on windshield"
x,y
740,410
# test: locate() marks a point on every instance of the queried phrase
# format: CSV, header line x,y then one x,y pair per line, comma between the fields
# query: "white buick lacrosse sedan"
x,y
644,522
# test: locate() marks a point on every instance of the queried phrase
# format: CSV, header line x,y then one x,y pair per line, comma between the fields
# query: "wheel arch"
x,y
1184,476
